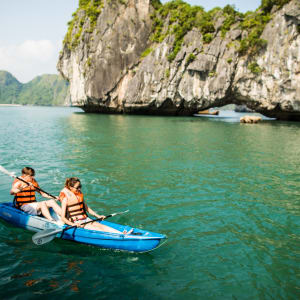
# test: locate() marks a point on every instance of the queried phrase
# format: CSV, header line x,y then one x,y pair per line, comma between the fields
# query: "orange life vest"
x,y
75,205
27,195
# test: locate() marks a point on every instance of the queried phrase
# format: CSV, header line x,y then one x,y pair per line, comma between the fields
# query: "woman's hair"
x,y
70,182
28,171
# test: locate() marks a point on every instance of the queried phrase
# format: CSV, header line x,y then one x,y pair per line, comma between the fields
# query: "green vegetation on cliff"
x,y
267,5
178,18
231,16
181,18
42,90
254,23
88,9
254,68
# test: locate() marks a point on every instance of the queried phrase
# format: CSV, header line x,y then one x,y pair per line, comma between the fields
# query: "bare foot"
x,y
130,231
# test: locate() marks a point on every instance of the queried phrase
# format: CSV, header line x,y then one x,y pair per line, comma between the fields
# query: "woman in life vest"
x,y
25,196
74,208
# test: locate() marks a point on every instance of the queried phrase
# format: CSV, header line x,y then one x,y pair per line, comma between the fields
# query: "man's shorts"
x,y
31,208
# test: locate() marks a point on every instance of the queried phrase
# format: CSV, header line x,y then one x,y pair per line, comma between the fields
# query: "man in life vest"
x,y
74,208
25,196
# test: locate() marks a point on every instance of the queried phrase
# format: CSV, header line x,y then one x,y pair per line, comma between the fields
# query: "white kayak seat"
x,y
56,217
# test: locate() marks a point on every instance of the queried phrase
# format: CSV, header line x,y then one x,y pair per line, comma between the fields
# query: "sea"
x,y
226,194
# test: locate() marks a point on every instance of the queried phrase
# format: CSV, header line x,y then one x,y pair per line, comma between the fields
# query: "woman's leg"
x,y
98,226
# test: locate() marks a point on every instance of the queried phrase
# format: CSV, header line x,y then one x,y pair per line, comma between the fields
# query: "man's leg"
x,y
54,205
45,211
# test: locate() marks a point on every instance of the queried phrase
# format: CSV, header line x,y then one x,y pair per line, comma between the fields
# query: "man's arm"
x,y
17,187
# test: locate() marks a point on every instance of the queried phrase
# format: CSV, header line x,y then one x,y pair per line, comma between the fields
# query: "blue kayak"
x,y
138,241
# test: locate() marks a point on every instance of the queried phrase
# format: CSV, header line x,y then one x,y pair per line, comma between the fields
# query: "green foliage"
x,y
182,18
204,22
91,9
89,62
42,90
75,40
267,5
146,52
207,38
155,3
167,73
229,10
231,16
9,88
68,37
178,18
190,58
158,25
255,24
83,3
229,60
254,68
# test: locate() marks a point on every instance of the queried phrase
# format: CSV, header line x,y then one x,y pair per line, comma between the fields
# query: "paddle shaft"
x,y
100,219
67,228
70,227
36,237
3,170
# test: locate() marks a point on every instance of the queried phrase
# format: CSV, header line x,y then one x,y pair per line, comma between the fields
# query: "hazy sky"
x,y
31,32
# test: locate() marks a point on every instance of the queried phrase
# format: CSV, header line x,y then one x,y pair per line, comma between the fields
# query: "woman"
x,y
74,209
25,196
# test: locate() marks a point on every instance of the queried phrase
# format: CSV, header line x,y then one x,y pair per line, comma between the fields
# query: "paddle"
x,y
48,235
3,170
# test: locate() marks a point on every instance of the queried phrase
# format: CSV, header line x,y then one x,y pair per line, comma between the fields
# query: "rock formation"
x,y
250,119
114,65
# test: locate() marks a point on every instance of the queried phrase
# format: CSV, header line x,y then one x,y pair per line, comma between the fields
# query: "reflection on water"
x,y
226,194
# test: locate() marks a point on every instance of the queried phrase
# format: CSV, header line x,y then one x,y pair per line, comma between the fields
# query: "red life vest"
x,y
75,205
27,195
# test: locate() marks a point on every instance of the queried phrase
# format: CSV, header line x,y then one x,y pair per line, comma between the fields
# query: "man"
x,y
25,196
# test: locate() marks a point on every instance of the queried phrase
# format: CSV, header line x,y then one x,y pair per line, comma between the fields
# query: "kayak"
x,y
206,115
137,241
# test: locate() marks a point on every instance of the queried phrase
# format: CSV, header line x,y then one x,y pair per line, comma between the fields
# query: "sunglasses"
x,y
79,187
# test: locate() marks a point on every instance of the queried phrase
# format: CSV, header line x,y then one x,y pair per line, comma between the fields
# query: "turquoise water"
x,y
226,194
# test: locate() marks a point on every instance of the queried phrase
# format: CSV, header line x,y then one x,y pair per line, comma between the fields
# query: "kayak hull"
x,y
139,241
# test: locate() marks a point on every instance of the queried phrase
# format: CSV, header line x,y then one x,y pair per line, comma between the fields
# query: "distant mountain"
x,y
42,90
10,88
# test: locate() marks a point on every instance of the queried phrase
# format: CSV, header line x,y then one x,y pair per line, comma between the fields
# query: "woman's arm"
x,y
91,212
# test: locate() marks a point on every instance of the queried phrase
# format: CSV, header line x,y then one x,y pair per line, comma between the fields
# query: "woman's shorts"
x,y
31,208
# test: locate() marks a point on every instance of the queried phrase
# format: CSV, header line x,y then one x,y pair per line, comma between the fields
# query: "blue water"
x,y
226,194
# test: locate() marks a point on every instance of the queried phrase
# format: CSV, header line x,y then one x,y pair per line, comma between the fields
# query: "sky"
x,y
32,31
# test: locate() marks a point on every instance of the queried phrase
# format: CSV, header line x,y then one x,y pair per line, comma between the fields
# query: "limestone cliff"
x,y
127,57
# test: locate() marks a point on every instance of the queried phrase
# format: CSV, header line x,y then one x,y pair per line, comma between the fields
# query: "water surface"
x,y
226,194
